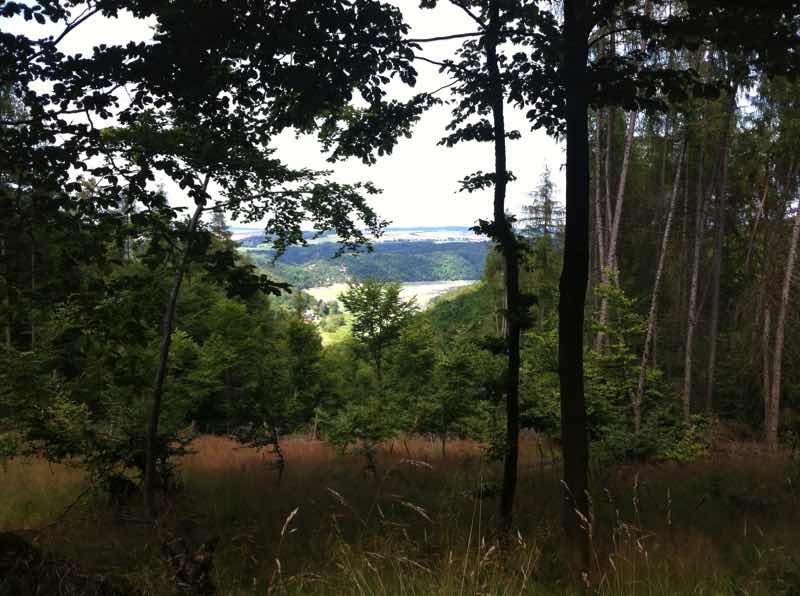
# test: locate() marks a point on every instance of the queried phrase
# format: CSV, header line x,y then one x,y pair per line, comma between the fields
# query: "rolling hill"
x,y
401,254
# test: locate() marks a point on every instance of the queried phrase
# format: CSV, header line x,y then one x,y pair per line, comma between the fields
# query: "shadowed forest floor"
x,y
725,525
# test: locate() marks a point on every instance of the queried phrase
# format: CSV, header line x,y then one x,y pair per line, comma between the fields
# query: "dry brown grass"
x,y
33,491
325,526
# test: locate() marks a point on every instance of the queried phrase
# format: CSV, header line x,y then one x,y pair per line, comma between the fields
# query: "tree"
x,y
634,83
464,391
543,225
543,221
379,315
486,80
574,275
772,416
608,268
651,319
198,121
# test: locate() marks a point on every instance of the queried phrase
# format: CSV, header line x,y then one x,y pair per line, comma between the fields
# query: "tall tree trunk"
x,y
6,295
574,278
719,244
610,118
609,151
612,273
691,314
684,237
651,319
163,361
759,214
598,209
32,313
765,353
780,328
630,130
509,248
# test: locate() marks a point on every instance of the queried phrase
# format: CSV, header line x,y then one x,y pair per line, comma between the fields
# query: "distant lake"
x,y
424,291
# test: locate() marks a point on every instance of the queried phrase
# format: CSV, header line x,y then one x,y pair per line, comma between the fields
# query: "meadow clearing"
x,y
426,524
424,292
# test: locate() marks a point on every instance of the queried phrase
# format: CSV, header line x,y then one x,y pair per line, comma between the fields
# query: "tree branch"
x,y
444,37
608,33
463,7
86,14
442,65
443,87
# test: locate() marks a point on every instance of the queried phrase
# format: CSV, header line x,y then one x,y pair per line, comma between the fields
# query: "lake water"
x,y
424,291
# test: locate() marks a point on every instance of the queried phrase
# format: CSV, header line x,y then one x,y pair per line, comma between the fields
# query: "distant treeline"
x,y
317,265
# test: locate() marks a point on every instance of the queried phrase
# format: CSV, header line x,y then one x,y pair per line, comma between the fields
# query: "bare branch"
x,y
445,37
608,33
443,87
462,5
86,14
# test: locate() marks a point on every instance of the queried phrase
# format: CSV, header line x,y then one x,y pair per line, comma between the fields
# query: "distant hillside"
x,y
402,254
255,238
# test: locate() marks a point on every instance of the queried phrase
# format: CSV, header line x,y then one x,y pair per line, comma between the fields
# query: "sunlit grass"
x,y
33,491
327,527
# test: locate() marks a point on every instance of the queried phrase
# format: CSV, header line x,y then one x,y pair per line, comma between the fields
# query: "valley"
x,y
423,291
406,255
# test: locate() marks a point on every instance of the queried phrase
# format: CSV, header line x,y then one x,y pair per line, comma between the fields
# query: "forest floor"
x,y
728,524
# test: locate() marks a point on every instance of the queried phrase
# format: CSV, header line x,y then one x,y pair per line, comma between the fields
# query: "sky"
x,y
419,179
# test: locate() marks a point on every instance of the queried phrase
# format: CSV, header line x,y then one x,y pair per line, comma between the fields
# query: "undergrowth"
x,y
426,525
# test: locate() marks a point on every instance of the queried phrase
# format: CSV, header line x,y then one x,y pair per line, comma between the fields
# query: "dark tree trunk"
x,y
508,245
163,360
32,313
600,232
719,244
6,294
774,406
574,278
692,310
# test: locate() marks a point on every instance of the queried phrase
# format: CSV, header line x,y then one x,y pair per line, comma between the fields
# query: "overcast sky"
x,y
420,179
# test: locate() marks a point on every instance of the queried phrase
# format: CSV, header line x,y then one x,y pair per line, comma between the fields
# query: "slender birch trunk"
x,y
163,361
684,237
6,299
607,165
691,315
759,215
598,210
31,314
719,245
611,252
765,354
777,358
623,181
612,273
651,319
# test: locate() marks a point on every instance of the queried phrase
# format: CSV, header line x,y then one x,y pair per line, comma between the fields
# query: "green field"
x,y
424,291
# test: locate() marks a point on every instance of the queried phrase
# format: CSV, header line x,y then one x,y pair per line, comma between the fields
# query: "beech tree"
x,y
379,315
207,124
486,80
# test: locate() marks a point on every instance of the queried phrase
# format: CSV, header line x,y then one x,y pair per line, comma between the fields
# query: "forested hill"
x,y
402,254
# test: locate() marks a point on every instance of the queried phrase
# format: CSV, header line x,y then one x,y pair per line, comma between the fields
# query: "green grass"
x,y
341,334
